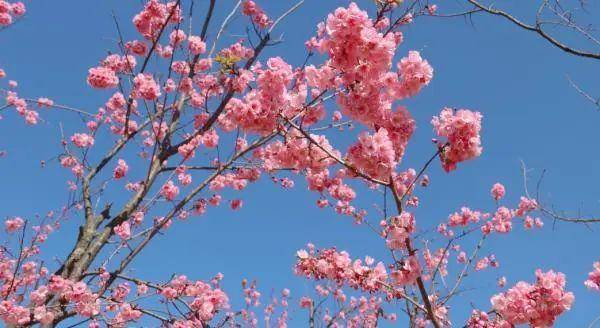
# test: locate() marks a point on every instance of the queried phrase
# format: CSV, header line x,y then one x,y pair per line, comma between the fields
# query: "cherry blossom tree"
x,y
189,118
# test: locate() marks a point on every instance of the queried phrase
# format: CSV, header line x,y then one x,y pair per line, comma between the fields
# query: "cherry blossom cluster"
x,y
21,105
481,319
501,221
461,128
537,305
340,268
206,299
208,122
10,11
374,154
593,281
250,8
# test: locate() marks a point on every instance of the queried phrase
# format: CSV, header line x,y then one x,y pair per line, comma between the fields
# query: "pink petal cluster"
x,y
464,218
461,128
154,16
481,319
12,99
498,191
121,169
502,220
145,87
258,112
206,300
593,281
137,47
196,45
415,73
537,305
250,8
14,224
123,230
363,57
373,154
176,37
526,205
408,271
339,267
9,11
102,78
82,140
399,229
85,303
299,153
120,64
169,190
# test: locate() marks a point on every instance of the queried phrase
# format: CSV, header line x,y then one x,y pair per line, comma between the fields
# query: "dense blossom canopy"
x,y
207,117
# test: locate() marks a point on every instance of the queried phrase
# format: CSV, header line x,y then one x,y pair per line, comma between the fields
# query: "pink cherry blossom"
x,y
121,169
145,87
14,224
374,154
196,45
123,230
498,191
593,281
102,78
537,305
169,190
82,140
462,129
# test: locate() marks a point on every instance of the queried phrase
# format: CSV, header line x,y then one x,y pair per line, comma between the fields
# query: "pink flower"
x,y
102,78
215,200
5,19
18,9
482,264
415,73
123,230
121,169
461,128
45,102
137,47
461,257
305,302
431,9
498,191
408,273
465,217
150,21
14,224
526,205
169,190
31,117
236,204
593,281
502,220
250,8
142,289
537,305
82,140
196,45
339,268
399,229
145,87
481,319
176,37
374,154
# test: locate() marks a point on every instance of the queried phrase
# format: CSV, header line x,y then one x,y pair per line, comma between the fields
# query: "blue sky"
x,y
515,79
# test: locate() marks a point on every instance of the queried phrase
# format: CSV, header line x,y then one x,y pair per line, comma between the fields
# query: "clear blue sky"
x,y
514,78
